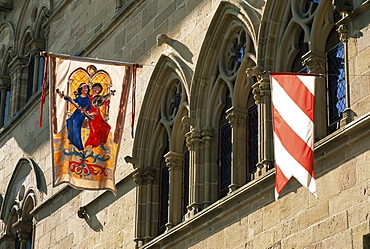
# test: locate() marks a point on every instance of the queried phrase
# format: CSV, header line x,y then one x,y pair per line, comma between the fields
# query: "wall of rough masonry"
x,y
93,28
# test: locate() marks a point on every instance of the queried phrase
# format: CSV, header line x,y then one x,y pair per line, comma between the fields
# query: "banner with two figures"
x,y
88,100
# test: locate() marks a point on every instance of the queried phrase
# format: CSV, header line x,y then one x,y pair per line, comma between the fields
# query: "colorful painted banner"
x,y
88,101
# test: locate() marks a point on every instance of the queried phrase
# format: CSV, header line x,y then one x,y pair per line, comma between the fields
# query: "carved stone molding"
x,y
260,89
138,176
263,167
149,175
314,61
237,117
174,160
255,72
131,160
193,137
343,33
163,38
144,176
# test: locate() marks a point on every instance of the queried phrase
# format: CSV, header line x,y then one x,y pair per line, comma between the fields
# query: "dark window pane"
x,y
31,67
225,159
185,183
40,75
336,84
164,197
252,140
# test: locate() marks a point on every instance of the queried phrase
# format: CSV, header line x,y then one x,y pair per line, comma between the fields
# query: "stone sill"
x,y
343,138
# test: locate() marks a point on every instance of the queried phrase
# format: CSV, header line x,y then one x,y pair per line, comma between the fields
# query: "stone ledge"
x,y
218,210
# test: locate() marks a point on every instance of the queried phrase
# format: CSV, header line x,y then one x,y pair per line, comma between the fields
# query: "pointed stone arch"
x,y
162,137
229,48
25,187
281,26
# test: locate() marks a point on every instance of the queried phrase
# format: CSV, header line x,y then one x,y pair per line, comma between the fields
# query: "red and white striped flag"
x,y
293,98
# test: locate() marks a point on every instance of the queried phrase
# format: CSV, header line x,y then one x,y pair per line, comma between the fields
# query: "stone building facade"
x,y
199,171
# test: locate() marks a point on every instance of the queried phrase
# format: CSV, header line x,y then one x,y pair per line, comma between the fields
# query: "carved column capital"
x,y
149,175
174,160
144,176
138,176
261,88
314,61
237,117
193,137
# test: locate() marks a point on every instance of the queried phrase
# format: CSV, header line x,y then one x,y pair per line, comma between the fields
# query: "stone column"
x,y
138,178
315,63
262,95
207,138
193,140
174,162
237,118
144,179
4,87
149,176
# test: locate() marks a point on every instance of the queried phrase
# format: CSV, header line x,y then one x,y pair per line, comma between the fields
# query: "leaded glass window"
x,y
31,69
252,141
164,188
185,183
225,158
336,86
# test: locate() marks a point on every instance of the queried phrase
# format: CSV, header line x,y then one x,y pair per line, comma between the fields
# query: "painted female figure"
x,y
75,121
99,128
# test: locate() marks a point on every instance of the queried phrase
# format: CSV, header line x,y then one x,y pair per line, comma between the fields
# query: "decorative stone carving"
x,y
207,135
163,38
237,117
138,176
174,160
314,61
144,176
129,159
343,33
149,175
234,53
261,88
193,137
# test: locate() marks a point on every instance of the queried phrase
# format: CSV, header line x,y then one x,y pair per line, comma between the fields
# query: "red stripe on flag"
x,y
281,180
296,147
298,92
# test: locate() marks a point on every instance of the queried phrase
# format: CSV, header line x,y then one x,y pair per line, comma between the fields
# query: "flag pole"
x,y
87,59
